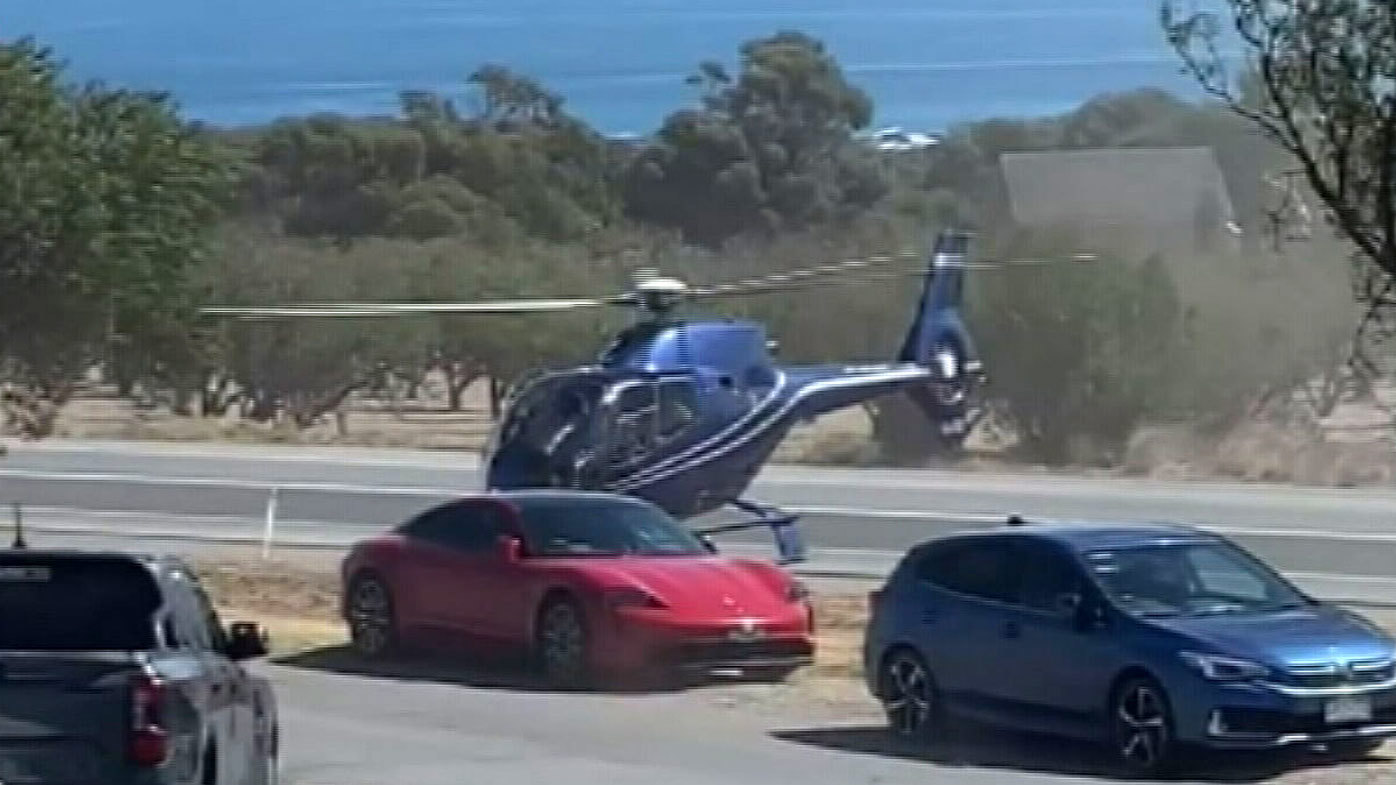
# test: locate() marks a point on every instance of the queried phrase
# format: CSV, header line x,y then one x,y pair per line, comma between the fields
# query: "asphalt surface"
x,y
1340,544
425,727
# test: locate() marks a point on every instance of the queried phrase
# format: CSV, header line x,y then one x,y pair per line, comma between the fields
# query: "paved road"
x,y
1340,543
426,727
449,731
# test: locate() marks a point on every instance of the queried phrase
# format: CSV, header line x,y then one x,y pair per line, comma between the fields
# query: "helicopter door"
x,y
630,428
677,400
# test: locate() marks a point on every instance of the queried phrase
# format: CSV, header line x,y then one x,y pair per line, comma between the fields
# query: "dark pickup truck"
x,y
115,670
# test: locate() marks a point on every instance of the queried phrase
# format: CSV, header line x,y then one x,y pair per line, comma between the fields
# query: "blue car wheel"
x,y
909,696
1141,723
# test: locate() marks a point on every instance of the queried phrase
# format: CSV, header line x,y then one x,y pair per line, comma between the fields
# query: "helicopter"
x,y
683,413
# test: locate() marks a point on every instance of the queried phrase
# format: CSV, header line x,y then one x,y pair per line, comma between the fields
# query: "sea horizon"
x,y
619,64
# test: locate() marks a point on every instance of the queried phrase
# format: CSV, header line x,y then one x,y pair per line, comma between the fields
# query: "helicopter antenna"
x,y
19,544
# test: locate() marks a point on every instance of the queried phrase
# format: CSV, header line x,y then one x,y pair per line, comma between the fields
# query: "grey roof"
x,y
1084,535
1149,186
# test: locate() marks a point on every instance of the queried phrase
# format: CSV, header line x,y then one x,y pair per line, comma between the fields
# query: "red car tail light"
x,y
150,742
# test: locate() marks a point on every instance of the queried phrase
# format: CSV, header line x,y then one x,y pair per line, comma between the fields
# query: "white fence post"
x,y
269,530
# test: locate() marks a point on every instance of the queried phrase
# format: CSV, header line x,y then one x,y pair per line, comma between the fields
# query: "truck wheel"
x,y
210,766
266,768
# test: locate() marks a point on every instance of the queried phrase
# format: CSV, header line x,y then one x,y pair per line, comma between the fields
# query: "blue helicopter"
x,y
684,412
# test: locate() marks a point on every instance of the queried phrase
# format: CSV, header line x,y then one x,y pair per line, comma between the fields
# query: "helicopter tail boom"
x,y
936,323
939,341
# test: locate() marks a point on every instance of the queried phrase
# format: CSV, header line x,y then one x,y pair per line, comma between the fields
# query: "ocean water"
x,y
619,63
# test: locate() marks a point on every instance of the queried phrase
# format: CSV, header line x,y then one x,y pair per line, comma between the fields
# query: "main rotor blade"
x,y
826,273
399,309
859,271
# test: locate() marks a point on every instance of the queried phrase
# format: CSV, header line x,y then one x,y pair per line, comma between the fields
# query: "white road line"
x,y
393,457
219,482
1375,580
47,511
851,512
813,565
846,562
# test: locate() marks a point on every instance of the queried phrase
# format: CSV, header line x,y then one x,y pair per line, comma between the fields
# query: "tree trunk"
x,y
460,374
903,434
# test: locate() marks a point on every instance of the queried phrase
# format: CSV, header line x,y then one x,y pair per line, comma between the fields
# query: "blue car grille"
x,y
1278,722
1327,676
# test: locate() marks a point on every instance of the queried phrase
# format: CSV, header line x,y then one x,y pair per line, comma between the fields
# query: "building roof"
x,y
1129,186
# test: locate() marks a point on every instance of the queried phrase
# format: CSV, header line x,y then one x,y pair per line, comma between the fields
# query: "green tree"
x,y
1078,355
1316,79
305,369
107,201
767,151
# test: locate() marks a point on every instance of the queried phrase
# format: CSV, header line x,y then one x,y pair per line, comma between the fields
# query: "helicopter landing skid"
x,y
790,544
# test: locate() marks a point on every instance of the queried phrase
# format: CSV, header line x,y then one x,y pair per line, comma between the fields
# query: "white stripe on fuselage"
x,y
658,473
714,440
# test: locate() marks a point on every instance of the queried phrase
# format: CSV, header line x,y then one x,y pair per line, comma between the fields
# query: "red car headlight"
x,y
632,598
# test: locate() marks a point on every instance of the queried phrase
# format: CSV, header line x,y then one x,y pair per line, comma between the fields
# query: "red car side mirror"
x,y
510,548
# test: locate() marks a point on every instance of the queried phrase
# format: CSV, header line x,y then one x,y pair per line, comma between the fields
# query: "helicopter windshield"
x,y
547,427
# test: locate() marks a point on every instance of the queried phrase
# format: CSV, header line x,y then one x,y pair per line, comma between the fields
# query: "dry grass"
x,y
299,605
302,602
1355,454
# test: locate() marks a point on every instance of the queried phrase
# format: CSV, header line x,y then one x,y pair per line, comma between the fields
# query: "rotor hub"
x,y
660,294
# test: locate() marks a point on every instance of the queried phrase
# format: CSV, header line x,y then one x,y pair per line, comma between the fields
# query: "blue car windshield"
x,y
602,527
1190,579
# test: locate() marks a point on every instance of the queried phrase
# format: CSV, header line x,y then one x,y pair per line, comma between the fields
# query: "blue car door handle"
x,y
1012,630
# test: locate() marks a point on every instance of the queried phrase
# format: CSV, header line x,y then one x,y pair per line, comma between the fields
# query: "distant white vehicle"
x,y
899,140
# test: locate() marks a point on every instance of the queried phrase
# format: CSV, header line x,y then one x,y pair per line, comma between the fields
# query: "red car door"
x,y
427,563
496,588
457,575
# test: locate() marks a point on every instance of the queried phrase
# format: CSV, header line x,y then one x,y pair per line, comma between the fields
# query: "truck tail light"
x,y
150,742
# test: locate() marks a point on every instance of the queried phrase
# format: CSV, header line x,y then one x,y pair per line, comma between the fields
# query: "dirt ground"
x,y
299,604
298,601
1356,447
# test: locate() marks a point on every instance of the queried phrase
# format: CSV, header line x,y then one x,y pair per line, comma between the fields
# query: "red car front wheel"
x,y
563,645
372,626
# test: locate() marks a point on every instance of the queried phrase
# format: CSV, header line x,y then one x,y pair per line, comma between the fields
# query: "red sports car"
x,y
588,584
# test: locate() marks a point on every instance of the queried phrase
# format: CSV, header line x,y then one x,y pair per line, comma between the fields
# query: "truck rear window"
x,y
64,603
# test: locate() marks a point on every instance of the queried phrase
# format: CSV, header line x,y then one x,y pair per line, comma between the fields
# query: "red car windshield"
x,y
602,527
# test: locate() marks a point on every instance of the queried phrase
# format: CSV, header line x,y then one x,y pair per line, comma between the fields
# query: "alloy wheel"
x,y
371,617
908,695
562,644
1143,727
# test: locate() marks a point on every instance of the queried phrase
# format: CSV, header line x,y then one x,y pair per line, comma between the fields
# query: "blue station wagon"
x,y
1147,637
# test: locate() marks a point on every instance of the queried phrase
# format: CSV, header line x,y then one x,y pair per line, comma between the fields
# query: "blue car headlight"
x,y
1217,668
